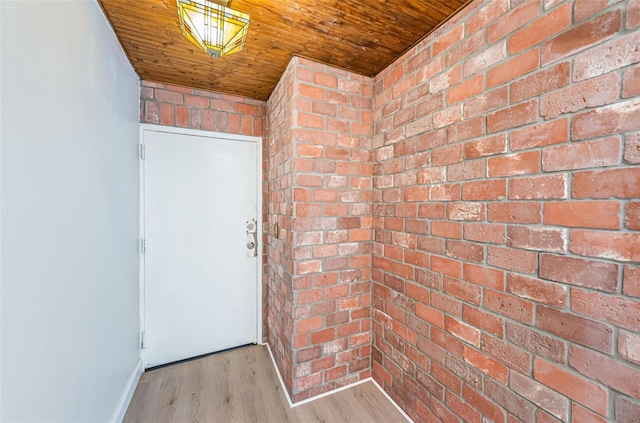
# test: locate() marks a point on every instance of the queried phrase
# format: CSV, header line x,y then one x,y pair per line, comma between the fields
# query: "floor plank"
x,y
242,386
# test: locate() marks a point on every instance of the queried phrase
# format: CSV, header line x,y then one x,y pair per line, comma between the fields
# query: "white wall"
x,y
69,214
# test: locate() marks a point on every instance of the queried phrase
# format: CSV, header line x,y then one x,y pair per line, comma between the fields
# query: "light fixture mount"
x,y
213,26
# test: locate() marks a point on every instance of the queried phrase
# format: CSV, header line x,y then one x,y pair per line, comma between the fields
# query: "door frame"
x,y
259,211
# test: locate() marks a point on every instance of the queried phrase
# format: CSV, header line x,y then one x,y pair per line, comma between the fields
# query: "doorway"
x,y
201,242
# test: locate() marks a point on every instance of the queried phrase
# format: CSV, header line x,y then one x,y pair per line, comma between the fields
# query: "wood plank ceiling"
x,y
362,36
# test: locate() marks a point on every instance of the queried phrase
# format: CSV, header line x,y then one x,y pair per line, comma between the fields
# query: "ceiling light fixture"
x,y
212,26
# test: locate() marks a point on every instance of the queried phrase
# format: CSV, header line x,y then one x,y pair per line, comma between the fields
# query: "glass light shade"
x,y
214,28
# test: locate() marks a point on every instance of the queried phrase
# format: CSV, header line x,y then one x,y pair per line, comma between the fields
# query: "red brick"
x,y
430,315
514,164
509,259
416,193
171,97
309,354
512,117
618,246
448,116
446,229
461,409
468,169
487,146
483,103
629,346
541,82
466,89
462,290
485,58
538,187
554,132
538,239
447,155
574,328
307,382
469,45
582,36
583,214
463,331
166,114
512,402
445,80
619,183
446,266
536,342
514,357
417,293
484,276
620,311
571,385
487,407
607,57
483,320
485,232
151,112
599,153
540,395
310,296
485,190
541,29
221,105
515,212
310,91
325,80
309,266
485,15
631,82
467,129
584,9
443,414
448,40
537,290
517,66
580,414
614,374
465,211
633,14
627,411
591,93
632,148
323,336
509,306
512,20
631,281
404,332
486,365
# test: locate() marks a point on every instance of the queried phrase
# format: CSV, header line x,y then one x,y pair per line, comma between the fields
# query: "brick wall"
x,y
506,216
279,269
170,105
320,194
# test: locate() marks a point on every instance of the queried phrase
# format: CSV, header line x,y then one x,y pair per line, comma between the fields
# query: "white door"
x,y
200,279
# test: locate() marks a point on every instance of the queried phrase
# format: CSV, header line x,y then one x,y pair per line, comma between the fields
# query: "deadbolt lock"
x,y
252,238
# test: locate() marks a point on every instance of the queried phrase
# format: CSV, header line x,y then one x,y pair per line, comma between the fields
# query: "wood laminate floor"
x,y
242,386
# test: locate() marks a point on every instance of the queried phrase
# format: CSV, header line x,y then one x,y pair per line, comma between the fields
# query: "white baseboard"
x,y
127,394
275,367
342,388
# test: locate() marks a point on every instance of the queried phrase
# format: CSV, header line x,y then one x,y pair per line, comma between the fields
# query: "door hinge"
x,y
142,150
143,246
143,339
